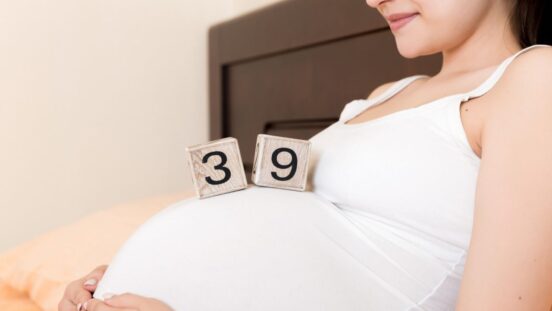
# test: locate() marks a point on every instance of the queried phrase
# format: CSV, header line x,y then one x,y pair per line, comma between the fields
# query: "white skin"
x,y
509,263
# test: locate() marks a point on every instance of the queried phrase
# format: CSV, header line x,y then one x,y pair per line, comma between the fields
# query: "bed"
x,y
286,69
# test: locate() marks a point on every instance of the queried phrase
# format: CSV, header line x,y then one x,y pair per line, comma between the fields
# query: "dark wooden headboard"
x,y
289,68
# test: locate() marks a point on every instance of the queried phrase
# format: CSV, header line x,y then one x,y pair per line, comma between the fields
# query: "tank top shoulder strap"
x,y
495,76
392,90
356,106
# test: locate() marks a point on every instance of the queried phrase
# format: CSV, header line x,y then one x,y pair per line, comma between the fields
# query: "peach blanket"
x,y
33,275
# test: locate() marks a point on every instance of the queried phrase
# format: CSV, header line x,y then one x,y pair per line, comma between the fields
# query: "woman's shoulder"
x,y
541,52
523,92
528,73
531,66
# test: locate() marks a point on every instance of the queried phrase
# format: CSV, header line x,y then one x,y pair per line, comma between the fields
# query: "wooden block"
x,y
216,167
281,162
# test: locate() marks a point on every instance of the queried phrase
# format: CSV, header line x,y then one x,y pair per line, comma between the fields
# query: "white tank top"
x,y
385,228
407,181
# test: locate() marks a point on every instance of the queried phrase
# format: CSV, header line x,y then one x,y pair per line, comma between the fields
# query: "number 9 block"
x,y
281,162
216,167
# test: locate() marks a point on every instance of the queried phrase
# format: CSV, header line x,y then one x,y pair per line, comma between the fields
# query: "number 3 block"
x,y
216,167
281,162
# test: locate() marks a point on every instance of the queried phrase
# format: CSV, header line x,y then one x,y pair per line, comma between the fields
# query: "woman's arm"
x,y
509,263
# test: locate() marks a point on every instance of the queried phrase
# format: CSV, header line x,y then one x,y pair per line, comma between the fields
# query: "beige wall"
x,y
243,6
98,100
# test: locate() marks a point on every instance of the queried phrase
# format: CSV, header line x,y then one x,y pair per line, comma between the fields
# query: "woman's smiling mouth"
x,y
398,20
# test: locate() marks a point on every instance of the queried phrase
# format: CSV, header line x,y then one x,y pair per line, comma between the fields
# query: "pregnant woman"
x,y
435,193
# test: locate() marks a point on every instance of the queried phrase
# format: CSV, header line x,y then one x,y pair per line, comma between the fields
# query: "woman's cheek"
x,y
421,38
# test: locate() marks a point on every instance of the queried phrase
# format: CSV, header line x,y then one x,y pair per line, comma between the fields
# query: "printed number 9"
x,y
292,164
220,166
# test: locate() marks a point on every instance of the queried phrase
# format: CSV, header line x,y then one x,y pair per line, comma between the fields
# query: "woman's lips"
x,y
396,21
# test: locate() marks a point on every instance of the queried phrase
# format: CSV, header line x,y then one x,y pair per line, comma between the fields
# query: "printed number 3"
x,y
228,174
292,163
220,166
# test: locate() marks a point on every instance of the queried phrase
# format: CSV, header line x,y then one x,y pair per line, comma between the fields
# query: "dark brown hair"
x,y
531,22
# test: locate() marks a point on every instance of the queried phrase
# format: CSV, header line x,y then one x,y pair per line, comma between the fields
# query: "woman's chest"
x,y
411,169
472,113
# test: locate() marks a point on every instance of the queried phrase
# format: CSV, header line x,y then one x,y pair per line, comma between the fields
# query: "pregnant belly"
x,y
254,249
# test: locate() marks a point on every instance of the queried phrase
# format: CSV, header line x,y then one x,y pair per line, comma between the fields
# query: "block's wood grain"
x,y
281,162
216,167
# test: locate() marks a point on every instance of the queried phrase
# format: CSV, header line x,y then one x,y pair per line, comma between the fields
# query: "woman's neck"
x,y
491,43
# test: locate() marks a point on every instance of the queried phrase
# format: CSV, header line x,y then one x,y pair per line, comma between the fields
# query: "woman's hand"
x,y
126,302
80,291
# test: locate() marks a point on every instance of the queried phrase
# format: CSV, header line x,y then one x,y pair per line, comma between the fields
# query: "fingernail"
x,y
91,282
107,296
85,305
79,307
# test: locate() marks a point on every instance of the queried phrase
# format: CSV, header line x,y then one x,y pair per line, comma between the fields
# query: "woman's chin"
x,y
411,48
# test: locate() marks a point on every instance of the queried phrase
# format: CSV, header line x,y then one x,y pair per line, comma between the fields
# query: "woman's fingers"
x,y
66,305
126,300
82,297
76,293
92,279
79,291
98,305
135,302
